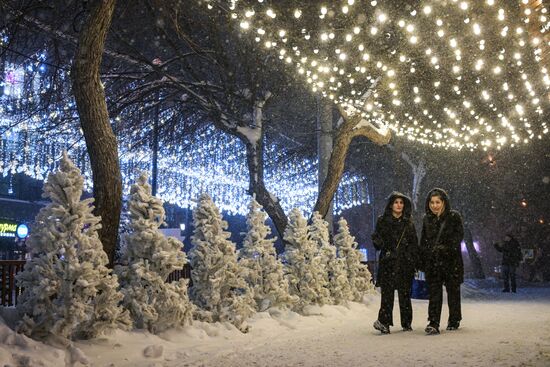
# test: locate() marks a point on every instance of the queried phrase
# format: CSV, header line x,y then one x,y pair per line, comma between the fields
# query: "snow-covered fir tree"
x,y
148,259
263,271
219,287
335,268
123,230
68,290
358,274
305,273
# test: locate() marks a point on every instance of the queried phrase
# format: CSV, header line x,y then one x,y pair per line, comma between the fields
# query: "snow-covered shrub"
x,y
263,271
334,268
123,230
358,274
148,259
219,288
304,269
68,289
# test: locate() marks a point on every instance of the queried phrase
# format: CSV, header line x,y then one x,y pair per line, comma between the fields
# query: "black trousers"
x,y
509,276
435,287
385,315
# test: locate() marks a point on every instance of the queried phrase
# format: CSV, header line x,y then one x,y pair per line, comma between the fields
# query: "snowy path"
x,y
494,334
497,330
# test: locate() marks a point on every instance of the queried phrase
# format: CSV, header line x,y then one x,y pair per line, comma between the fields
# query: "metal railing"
x,y
9,291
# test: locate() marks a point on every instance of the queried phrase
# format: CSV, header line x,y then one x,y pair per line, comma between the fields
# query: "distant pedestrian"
x,y
511,257
442,234
395,237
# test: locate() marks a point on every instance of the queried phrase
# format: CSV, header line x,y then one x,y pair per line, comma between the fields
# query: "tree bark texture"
x,y
344,135
94,119
271,204
324,149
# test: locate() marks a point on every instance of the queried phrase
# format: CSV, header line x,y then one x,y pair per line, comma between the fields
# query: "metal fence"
x,y
8,288
9,291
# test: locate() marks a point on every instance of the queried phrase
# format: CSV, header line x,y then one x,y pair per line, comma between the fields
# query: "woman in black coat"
x,y
395,237
442,234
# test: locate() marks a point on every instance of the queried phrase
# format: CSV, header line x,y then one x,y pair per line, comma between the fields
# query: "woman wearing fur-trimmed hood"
x,y
442,234
395,237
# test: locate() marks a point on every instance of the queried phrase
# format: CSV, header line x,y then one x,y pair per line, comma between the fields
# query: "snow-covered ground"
x,y
497,330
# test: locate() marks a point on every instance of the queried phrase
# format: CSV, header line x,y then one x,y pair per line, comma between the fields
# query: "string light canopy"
x,y
447,73
208,161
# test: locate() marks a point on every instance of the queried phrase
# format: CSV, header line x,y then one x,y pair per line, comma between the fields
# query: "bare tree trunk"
x,y
419,171
324,149
271,204
351,127
94,120
253,138
473,255
336,165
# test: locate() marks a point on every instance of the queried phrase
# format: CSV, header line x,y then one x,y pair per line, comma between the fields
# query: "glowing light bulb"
x,y
477,29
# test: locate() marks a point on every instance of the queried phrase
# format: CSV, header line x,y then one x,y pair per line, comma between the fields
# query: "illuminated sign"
x,y
7,229
22,231
13,230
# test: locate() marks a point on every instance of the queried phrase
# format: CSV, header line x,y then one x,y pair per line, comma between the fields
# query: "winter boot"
x,y
432,329
384,329
453,325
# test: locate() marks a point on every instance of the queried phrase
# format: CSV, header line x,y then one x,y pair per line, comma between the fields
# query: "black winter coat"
x,y
397,264
442,259
511,251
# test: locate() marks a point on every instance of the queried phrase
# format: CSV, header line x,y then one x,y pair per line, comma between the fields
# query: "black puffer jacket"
x,y
396,263
444,258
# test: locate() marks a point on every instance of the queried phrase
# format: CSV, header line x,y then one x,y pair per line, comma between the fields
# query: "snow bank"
x,y
17,350
497,330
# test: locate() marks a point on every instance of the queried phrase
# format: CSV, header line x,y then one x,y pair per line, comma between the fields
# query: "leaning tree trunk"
x,y
351,127
473,255
252,136
255,162
272,206
94,120
335,169
324,150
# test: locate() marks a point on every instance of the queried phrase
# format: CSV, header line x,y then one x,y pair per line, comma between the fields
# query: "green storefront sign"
x,y
8,229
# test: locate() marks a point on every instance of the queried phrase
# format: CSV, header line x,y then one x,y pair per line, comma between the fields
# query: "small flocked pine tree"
x,y
123,230
304,270
149,258
358,274
68,290
263,271
219,288
335,268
